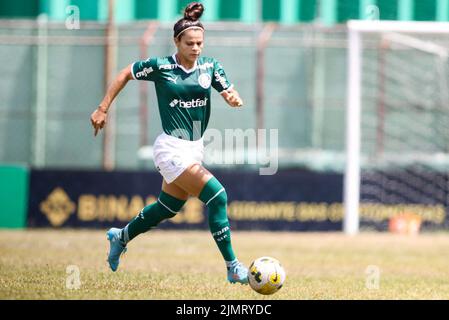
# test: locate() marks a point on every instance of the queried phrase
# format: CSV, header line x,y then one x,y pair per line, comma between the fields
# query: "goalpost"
x,y
397,130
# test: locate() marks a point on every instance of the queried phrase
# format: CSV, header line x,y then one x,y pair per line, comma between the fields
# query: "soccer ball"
x,y
266,275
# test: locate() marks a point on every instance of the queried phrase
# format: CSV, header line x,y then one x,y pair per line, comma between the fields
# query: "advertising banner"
x,y
295,200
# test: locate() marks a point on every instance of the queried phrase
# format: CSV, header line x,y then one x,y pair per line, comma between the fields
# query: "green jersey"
x,y
183,95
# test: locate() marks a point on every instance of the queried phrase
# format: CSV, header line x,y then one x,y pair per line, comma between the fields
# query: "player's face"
x,y
190,45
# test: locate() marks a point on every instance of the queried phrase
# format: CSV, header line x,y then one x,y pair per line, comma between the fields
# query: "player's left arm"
x,y
232,97
221,83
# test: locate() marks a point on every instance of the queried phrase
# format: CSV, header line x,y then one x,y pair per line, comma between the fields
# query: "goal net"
x,y
397,120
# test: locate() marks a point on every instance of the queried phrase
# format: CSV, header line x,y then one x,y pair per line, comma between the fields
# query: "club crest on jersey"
x,y
204,80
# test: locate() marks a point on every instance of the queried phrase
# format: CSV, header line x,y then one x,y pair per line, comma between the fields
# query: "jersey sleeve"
x,y
145,69
219,80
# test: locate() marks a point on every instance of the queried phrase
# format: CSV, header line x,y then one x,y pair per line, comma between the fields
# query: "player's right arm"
x,y
98,117
140,70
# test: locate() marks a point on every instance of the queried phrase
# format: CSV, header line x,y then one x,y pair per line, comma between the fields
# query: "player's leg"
x,y
198,181
170,201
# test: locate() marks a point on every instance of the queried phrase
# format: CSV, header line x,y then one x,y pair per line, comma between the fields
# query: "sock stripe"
x,y
220,191
159,200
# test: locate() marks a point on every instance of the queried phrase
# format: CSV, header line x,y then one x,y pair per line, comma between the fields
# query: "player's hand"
x,y
232,97
98,120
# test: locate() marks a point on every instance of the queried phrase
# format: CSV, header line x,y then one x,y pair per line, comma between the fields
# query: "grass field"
x,y
187,265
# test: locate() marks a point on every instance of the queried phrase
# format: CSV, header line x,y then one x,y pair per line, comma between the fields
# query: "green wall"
x,y
284,11
425,10
19,9
388,9
307,10
14,181
145,9
271,10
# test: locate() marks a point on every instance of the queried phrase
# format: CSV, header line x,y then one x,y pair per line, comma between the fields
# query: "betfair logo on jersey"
x,y
198,103
144,72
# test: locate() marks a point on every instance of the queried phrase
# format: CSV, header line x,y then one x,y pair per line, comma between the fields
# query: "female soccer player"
x,y
183,84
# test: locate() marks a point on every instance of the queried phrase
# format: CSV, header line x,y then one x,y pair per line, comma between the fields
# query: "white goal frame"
x,y
354,104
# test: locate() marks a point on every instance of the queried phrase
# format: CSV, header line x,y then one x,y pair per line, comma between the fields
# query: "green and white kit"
x,y
184,107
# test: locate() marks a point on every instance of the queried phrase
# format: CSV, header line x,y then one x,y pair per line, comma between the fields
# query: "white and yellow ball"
x,y
266,275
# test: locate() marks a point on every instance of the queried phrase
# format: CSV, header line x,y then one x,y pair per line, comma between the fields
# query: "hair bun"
x,y
193,11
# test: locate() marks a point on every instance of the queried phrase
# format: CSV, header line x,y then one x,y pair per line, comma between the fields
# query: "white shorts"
x,y
173,155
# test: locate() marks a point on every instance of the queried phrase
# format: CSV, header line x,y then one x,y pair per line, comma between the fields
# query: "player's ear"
x,y
176,40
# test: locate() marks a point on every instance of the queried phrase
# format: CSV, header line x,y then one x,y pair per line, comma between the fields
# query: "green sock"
x,y
165,207
215,198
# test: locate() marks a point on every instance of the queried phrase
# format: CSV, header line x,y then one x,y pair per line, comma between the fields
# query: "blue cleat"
x,y
116,248
238,273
